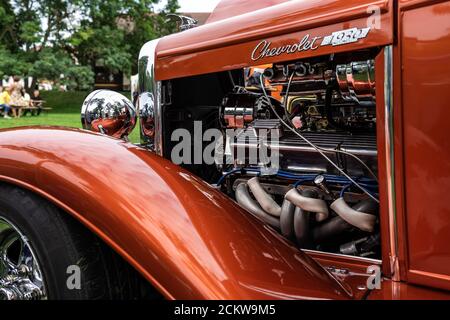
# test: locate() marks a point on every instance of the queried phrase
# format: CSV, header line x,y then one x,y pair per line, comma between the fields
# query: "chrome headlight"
x,y
108,112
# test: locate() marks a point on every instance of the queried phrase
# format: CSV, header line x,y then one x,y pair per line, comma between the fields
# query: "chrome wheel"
x,y
20,275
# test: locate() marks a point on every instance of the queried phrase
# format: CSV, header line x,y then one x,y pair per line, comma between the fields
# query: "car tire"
x,y
59,243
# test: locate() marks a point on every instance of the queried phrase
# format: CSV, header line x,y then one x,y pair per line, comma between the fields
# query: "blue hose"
x,y
299,182
367,183
219,183
344,190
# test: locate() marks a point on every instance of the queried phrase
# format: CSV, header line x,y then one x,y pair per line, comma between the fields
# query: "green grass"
x,y
66,112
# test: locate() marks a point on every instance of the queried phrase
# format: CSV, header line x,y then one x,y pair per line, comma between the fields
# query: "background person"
x,y
5,99
34,101
26,97
17,100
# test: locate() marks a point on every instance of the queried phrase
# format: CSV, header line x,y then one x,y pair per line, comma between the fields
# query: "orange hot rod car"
x,y
347,99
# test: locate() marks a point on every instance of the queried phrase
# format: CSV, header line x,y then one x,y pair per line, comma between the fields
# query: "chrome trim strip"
x,y
280,147
390,161
338,255
149,87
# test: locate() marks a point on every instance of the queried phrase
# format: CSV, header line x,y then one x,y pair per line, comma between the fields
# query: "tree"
x,y
31,26
101,23
58,66
7,31
48,38
10,63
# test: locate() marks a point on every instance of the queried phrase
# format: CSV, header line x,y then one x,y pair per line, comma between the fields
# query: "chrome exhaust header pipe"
x,y
264,199
245,201
287,219
302,223
317,206
361,220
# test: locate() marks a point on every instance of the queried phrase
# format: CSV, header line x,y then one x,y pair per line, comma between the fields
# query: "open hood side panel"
x,y
229,44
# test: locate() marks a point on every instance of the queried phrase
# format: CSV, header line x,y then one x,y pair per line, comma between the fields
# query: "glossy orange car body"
x,y
190,241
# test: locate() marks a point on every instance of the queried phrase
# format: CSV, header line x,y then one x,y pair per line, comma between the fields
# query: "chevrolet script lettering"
x,y
264,49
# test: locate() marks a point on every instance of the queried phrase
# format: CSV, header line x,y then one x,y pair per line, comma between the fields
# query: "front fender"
x,y
188,239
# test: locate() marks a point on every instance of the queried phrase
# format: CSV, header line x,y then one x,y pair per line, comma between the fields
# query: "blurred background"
x,y
66,48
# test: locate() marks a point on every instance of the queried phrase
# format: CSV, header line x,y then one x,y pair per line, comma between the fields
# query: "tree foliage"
x,y
62,40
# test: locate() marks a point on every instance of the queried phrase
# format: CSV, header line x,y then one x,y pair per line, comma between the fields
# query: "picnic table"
x,y
35,105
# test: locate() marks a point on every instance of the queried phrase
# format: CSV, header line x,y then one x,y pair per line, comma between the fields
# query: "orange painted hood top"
x,y
227,43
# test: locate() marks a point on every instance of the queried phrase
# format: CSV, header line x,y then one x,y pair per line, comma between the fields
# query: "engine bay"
x,y
298,147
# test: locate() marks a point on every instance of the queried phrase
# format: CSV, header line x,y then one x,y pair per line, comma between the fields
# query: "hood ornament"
x,y
184,23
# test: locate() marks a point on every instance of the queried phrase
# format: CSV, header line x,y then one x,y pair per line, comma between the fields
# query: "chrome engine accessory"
x,y
321,182
357,80
300,157
242,107
307,77
236,117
